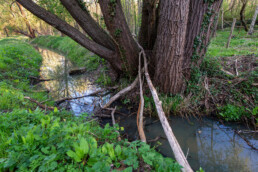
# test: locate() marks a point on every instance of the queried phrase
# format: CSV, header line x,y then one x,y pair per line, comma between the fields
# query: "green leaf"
x,y
74,156
84,146
118,150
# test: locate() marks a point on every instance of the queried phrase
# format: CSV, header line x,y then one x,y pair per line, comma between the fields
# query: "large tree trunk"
x,y
184,32
174,33
169,49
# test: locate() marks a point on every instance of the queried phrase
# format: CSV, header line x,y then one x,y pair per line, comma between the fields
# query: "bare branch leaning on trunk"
x,y
141,106
179,155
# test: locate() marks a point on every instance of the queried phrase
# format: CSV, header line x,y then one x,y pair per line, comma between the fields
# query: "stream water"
x,y
207,143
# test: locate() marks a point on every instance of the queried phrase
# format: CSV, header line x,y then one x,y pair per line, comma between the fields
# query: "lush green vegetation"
x,y
35,140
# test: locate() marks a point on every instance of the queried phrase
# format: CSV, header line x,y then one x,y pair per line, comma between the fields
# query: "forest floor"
x,y
225,85
44,138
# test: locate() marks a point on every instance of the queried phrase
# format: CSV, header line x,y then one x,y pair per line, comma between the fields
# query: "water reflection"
x,y
210,145
57,67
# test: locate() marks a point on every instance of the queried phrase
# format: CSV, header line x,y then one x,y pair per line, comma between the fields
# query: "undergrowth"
x,y
211,90
32,139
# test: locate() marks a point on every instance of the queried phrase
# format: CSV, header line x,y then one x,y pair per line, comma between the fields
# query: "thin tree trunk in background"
x,y
251,30
232,30
222,19
31,31
242,14
6,32
216,27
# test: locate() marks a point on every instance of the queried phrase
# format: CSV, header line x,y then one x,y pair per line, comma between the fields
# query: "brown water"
x,y
208,144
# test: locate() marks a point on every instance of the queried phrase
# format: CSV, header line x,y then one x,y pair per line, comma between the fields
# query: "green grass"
x,y
241,44
77,54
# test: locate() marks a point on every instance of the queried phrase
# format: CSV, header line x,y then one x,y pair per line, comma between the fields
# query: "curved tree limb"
x,y
70,31
88,24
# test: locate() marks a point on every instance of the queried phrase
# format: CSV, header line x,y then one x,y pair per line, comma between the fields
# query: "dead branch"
x,y
122,92
179,155
154,140
113,117
141,106
42,106
91,94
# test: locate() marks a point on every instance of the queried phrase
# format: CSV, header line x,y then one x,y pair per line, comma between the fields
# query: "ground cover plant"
x,y
33,139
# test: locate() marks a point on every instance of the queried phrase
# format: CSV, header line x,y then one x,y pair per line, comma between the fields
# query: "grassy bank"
x,y
73,51
33,139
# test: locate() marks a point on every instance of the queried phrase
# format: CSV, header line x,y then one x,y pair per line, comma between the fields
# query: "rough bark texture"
x,y
73,33
172,48
88,24
251,29
182,51
148,30
242,15
119,30
169,50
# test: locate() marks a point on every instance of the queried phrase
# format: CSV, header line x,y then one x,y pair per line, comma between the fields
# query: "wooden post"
x,y
232,29
251,30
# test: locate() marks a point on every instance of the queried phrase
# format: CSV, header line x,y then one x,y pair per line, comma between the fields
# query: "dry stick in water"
x,y
141,105
179,155
91,94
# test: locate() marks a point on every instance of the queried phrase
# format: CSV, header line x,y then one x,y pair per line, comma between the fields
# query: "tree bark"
x,y
169,49
232,30
73,33
174,48
119,30
88,24
6,32
242,15
251,29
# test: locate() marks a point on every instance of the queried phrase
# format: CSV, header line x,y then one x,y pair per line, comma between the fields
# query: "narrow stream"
x,y
208,144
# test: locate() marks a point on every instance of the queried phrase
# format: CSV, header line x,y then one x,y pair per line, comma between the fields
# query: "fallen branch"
x,y
113,117
179,155
42,106
122,92
141,105
39,79
91,94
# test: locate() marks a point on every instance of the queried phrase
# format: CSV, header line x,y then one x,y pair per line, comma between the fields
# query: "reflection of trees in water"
x,y
221,152
57,67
